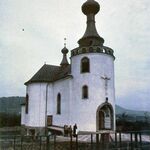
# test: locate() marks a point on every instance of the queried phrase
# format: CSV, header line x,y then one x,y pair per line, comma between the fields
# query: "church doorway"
x,y
104,117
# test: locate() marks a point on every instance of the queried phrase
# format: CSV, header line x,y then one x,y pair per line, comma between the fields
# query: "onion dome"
x,y
64,61
90,7
64,50
91,37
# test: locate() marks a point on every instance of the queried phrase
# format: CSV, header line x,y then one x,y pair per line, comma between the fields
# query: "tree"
x,y
146,116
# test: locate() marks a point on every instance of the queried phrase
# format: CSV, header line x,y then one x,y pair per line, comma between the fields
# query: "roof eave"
x,y
41,81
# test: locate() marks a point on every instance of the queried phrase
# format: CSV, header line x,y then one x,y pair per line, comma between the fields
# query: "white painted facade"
x,y
74,109
95,113
100,65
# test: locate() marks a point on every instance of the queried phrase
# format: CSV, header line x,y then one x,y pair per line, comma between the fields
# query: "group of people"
x,y
69,130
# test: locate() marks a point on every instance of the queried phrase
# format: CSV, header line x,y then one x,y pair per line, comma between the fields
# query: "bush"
x,y
9,120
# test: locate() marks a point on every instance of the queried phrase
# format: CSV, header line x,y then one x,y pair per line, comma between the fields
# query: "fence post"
x,y
140,139
136,139
54,141
14,142
40,142
70,140
76,141
21,142
47,142
120,142
91,141
97,141
131,140
102,140
116,138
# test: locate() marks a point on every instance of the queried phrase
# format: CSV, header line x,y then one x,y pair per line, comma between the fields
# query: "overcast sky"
x,y
125,26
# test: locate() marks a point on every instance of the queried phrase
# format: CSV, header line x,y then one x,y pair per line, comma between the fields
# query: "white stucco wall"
x,y
37,103
62,87
74,109
84,113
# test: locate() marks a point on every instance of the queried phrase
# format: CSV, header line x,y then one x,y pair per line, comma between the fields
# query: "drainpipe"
x,y
46,108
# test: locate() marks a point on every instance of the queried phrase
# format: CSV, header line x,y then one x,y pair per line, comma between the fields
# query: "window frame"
x,y
85,92
58,107
27,104
85,66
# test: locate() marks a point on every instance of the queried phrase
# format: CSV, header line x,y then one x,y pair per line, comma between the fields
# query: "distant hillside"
x,y
11,105
121,110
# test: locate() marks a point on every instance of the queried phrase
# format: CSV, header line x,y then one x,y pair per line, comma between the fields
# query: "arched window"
x,y
58,103
85,92
27,103
85,65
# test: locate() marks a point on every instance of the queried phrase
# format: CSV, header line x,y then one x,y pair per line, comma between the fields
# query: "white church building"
x,y
80,93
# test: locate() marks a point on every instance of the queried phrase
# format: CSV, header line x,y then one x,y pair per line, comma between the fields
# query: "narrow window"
x,y
58,103
85,92
85,65
27,103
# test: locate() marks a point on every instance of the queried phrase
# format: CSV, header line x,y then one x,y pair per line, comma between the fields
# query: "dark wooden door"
x,y
49,120
101,120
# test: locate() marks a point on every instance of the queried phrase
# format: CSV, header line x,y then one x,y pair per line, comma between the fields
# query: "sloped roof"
x,y
50,73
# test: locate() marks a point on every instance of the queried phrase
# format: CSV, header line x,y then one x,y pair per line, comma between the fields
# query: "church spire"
x,y
64,61
91,37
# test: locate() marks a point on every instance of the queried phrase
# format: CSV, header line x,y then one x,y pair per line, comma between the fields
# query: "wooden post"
x,y
131,138
91,141
140,139
70,138
97,141
116,138
136,139
76,141
47,142
40,143
21,142
103,142
14,142
54,142
120,142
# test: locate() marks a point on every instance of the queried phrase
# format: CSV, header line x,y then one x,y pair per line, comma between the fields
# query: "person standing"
x,y
75,130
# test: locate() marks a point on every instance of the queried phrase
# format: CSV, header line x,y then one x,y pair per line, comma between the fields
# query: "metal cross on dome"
x,y
106,79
